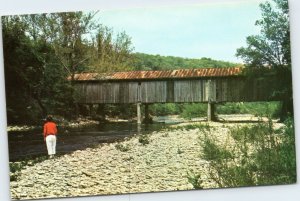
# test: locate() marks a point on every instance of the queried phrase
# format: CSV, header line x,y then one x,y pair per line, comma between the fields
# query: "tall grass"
x,y
259,155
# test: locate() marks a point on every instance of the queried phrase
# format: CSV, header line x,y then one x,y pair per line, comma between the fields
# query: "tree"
x,y
142,61
111,54
42,50
70,35
23,64
271,49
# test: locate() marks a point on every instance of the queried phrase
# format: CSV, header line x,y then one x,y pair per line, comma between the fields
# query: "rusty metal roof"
x,y
166,74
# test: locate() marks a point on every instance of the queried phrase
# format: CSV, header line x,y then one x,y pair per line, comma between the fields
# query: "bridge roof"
x,y
166,74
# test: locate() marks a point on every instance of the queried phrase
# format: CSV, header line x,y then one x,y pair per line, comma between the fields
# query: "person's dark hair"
x,y
49,118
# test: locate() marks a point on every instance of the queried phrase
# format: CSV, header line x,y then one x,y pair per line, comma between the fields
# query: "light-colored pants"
x,y
51,144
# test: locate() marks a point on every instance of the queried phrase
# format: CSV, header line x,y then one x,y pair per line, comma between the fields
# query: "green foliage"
x,y
272,49
272,46
260,156
111,54
122,111
257,108
277,161
214,152
17,166
165,109
23,64
122,147
157,62
194,179
42,50
194,110
144,139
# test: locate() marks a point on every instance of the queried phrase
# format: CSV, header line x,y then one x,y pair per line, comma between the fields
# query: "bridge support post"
x,y
139,115
211,111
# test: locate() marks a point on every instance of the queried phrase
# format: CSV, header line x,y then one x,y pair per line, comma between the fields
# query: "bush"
x,y
122,148
214,152
144,139
194,179
257,108
194,110
261,156
277,159
165,109
16,167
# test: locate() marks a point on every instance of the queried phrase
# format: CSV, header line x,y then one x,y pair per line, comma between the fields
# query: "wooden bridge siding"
x,y
229,90
170,91
114,92
128,92
211,90
242,90
189,91
154,92
133,96
178,91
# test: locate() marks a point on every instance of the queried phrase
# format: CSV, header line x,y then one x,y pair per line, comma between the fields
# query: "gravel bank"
x,y
161,165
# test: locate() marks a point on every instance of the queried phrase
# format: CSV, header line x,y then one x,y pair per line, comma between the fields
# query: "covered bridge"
x,y
207,85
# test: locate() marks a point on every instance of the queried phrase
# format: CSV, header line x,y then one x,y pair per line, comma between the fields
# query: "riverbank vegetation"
x,y
251,155
196,110
16,167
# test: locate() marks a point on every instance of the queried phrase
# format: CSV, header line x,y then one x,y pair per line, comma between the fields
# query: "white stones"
x,y
161,165
19,128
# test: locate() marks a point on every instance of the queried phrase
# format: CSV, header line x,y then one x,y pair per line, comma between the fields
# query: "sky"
x,y
212,30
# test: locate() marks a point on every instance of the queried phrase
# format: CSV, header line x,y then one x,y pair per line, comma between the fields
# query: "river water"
x,y
30,144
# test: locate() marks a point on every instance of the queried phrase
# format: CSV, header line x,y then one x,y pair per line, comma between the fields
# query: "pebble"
x,y
161,165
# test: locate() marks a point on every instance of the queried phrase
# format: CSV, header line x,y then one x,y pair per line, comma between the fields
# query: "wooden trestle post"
x,y
211,105
139,115
211,111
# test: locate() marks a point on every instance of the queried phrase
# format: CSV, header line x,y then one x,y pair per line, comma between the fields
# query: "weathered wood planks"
x,y
226,89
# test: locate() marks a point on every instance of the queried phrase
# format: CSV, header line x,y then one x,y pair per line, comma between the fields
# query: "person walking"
x,y
50,132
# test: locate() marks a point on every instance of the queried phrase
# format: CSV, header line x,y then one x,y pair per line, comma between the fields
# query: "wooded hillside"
x,y
143,61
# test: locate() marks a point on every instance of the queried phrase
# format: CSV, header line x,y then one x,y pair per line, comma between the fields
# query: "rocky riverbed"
x,y
125,167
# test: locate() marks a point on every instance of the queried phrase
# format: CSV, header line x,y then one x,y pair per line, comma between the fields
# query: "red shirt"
x,y
50,129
